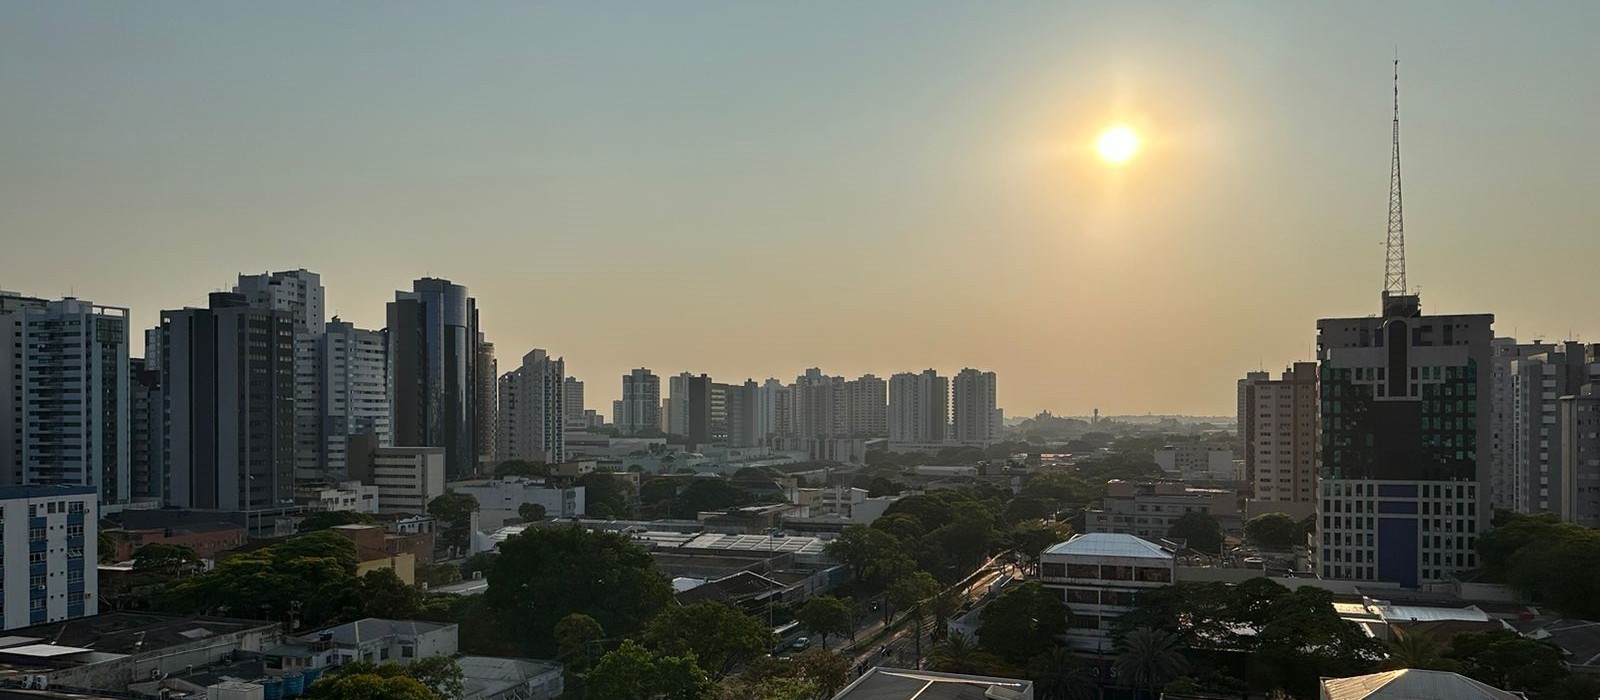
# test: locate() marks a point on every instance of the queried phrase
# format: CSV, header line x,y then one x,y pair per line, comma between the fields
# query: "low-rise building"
x,y
1149,509
1198,460
501,499
1411,684
374,550
109,652
1100,575
407,478
346,495
205,538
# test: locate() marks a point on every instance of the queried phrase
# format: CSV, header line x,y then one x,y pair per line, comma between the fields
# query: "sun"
x,y
1117,145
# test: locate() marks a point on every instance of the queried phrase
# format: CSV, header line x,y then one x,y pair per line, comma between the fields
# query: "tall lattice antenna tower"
x,y
1394,267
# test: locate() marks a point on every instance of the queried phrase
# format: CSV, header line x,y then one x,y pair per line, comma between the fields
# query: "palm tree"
x,y
1418,651
1061,676
956,654
1149,658
944,606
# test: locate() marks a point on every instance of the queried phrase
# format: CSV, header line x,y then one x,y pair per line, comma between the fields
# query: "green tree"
x,y
874,558
1198,530
455,511
384,595
106,545
825,615
307,579
547,573
368,686
632,672
575,635
1028,508
1272,531
1031,537
720,638
707,494
1419,651
1548,560
166,560
531,512
1506,660
1059,674
436,575
604,495
959,654
1021,621
1149,659
440,674
331,518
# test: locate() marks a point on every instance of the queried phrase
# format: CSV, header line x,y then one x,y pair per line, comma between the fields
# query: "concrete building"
x,y
1538,382
51,549
1502,454
115,652
300,294
12,308
408,478
976,415
1579,475
434,383
866,408
919,407
1405,448
884,683
352,393
774,412
487,405
639,410
1149,510
75,407
1411,684
352,496
500,500
532,416
229,397
1100,575
572,405
1196,460
146,476
1280,434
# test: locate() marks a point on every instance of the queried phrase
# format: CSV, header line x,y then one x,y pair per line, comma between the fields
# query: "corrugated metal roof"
x,y
1412,684
1111,544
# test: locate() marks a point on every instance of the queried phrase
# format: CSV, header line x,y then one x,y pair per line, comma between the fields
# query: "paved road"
x,y
900,646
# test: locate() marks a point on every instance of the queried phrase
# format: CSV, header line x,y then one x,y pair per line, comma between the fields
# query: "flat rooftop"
x,y
899,684
125,632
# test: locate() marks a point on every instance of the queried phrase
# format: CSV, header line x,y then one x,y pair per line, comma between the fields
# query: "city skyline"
x,y
933,175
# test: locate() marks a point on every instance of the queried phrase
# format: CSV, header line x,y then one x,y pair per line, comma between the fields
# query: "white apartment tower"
x,y
1503,482
919,407
353,392
51,541
1281,437
12,308
75,413
975,413
532,419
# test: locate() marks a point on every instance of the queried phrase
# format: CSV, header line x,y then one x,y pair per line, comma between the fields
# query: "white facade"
x,y
75,401
532,416
12,308
352,496
975,411
1503,482
1099,576
408,478
1281,436
500,500
1196,460
353,393
50,537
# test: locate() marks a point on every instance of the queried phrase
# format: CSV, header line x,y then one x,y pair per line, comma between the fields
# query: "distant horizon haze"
x,y
749,190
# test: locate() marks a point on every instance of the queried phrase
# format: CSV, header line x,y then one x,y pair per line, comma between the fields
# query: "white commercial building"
x,y
1099,576
352,496
408,478
501,499
1197,460
353,392
51,549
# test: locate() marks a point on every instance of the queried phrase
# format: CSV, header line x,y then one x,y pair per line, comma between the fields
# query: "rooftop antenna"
x,y
1394,268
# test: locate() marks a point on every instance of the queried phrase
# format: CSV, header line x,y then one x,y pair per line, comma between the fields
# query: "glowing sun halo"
x,y
1117,145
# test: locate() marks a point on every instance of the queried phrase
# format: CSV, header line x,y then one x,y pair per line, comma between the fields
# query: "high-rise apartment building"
x,y
975,411
51,544
532,413
147,478
1578,478
639,410
487,405
676,407
1279,432
819,405
572,403
1405,448
866,407
353,391
12,307
919,407
1538,382
75,407
774,405
301,295
1502,421
434,390
228,388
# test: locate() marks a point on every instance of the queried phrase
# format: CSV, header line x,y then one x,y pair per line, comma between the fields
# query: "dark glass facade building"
x,y
433,372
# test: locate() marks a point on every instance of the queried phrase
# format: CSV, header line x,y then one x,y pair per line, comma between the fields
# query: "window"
x,y
1083,596
1154,575
1052,570
407,651
1087,622
1083,571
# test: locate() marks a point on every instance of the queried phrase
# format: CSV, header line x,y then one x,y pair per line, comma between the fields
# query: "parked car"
x,y
800,644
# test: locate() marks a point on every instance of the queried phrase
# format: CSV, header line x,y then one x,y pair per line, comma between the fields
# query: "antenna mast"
x,y
1394,267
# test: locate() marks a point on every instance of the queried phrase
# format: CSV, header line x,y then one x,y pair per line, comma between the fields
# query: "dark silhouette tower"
x,y
1394,267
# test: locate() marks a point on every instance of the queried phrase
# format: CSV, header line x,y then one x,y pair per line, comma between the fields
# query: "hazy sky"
x,y
750,189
